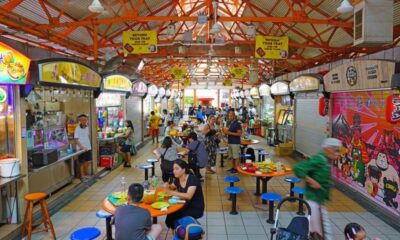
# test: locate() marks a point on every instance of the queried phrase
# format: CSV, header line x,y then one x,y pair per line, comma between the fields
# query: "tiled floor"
x,y
249,224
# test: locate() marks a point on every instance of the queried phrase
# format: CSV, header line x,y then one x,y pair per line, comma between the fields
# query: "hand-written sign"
x,y
272,47
139,42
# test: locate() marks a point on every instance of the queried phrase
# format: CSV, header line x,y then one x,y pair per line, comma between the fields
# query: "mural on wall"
x,y
370,162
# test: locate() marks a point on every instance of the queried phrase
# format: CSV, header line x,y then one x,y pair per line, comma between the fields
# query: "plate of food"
x,y
16,71
163,194
159,205
119,195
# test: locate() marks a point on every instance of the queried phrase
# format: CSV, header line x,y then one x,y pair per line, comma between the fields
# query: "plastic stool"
x,y
153,163
231,180
103,214
300,191
46,220
262,156
233,191
146,170
292,181
243,157
222,153
260,150
85,233
271,198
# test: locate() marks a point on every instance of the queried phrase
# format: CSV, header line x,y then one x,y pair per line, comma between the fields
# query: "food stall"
x,y
60,85
283,111
14,75
267,108
135,105
310,125
111,112
369,167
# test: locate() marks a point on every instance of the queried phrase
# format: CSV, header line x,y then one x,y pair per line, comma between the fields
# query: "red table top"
x,y
249,142
272,174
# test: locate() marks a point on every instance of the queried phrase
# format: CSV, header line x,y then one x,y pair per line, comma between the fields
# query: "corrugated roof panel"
x,y
81,35
32,10
341,38
75,10
396,13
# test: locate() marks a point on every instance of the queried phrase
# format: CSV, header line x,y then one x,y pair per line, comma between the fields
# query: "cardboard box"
x,y
284,149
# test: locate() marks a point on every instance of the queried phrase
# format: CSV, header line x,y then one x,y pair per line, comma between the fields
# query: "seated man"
x,y
133,222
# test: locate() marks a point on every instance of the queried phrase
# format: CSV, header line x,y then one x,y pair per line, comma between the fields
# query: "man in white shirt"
x,y
82,137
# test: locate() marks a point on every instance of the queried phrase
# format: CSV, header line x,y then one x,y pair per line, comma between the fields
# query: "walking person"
x,y
234,132
128,143
316,172
154,121
211,143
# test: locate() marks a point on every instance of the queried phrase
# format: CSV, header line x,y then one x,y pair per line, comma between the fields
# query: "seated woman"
x,y
167,153
186,186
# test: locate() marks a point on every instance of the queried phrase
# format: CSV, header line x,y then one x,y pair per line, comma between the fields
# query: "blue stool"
x,y
262,155
233,191
243,157
222,153
231,180
260,150
300,191
292,181
153,163
271,198
85,233
146,168
105,215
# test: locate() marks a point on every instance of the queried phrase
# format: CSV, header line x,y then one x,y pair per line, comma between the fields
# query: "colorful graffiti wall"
x,y
370,162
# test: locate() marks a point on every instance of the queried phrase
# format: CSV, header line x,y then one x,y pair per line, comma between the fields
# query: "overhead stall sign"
x,y
139,42
272,47
117,83
14,66
68,73
139,88
227,82
238,72
178,73
187,82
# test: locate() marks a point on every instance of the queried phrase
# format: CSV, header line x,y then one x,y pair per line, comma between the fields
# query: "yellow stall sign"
x,y
187,82
139,42
227,82
272,47
117,83
178,73
238,72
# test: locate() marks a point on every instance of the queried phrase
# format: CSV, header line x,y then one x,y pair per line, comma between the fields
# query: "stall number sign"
x,y
139,42
270,47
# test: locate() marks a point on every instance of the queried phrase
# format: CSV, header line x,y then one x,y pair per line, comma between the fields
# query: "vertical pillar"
x,y
218,100
230,98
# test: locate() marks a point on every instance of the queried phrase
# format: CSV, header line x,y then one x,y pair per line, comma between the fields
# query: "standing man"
x,y
316,172
154,121
82,138
234,132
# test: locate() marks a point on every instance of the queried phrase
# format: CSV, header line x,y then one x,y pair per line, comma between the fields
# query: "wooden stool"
x,y
28,222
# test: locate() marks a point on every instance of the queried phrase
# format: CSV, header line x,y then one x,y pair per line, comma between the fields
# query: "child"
x,y
353,231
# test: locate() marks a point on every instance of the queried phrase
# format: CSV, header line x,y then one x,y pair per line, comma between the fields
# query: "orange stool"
x,y
28,224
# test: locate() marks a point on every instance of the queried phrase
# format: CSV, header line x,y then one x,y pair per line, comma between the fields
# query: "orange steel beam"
x,y
129,17
95,42
11,5
46,11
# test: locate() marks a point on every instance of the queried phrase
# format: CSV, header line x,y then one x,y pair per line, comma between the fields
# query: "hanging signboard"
x,y
14,66
238,72
68,73
280,88
227,82
360,75
265,90
108,100
152,90
139,42
187,82
393,109
304,84
161,92
270,47
168,93
117,83
139,88
178,73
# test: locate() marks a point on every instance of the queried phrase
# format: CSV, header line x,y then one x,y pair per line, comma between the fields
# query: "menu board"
x,y
304,84
68,73
152,90
14,67
280,88
117,83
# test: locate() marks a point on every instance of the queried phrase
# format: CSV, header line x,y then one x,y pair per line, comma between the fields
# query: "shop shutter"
x,y
134,113
311,127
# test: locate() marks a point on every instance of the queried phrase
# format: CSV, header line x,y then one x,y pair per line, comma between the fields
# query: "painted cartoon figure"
x,y
375,175
359,157
390,192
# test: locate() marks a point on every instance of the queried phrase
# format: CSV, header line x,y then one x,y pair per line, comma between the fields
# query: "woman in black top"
x,y
186,186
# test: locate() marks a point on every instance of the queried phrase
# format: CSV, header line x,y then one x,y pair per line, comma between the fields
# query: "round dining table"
x,y
264,178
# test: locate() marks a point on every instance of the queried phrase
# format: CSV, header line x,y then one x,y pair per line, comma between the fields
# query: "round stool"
x,y
146,168
262,155
85,233
243,157
222,153
271,198
153,163
300,191
260,150
233,191
46,220
292,181
231,180
107,216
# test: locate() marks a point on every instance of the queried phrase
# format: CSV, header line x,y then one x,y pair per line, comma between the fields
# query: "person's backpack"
x,y
199,155
252,154
188,228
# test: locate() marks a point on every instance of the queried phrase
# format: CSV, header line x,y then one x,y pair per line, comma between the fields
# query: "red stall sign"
x,y
323,106
393,109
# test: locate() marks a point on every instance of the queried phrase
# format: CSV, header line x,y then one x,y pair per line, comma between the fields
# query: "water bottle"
x,y
123,184
146,184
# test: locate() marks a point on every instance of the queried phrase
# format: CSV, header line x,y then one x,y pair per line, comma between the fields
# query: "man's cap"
x,y
82,115
331,142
